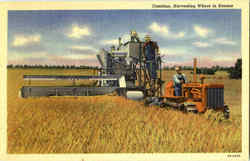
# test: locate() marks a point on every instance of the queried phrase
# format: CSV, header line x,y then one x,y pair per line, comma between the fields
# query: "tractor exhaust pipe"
x,y
194,73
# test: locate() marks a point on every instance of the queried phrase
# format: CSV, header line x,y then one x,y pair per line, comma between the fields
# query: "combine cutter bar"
x,y
38,91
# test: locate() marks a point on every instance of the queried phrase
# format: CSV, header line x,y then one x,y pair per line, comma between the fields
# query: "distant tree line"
x,y
234,71
203,70
25,66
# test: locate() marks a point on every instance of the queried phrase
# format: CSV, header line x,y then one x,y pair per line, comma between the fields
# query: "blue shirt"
x,y
177,79
150,50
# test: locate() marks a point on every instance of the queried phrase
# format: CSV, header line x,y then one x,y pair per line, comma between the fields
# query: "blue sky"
x,y
75,37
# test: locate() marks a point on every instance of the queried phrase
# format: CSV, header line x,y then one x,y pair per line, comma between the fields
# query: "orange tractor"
x,y
196,96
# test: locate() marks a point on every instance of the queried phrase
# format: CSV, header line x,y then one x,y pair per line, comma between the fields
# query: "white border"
x,y
238,4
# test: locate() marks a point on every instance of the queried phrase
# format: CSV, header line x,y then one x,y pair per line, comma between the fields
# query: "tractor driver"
x,y
179,78
150,49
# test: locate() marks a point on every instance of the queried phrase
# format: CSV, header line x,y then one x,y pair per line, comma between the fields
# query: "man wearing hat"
x,y
133,36
179,78
150,49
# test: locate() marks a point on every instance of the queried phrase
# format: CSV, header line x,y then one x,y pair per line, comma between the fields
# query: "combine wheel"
x,y
191,109
226,112
154,101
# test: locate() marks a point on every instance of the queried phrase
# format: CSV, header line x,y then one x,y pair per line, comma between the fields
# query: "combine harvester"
x,y
124,71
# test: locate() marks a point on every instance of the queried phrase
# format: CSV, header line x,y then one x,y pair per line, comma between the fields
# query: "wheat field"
x,y
112,124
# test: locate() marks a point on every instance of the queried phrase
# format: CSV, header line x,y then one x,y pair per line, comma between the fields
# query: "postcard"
x,y
148,80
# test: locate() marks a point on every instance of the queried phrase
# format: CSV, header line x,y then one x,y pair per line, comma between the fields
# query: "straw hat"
x,y
147,37
178,68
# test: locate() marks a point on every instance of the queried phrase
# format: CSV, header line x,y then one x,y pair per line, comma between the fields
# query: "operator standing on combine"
x,y
150,49
178,79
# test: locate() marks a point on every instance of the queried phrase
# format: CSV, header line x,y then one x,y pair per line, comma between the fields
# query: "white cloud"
x,y
83,48
78,56
78,32
24,40
225,41
125,38
160,29
81,52
164,31
201,44
167,51
110,42
18,56
173,51
222,56
180,35
202,31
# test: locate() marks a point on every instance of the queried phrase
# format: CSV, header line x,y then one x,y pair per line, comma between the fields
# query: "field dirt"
x,y
112,124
